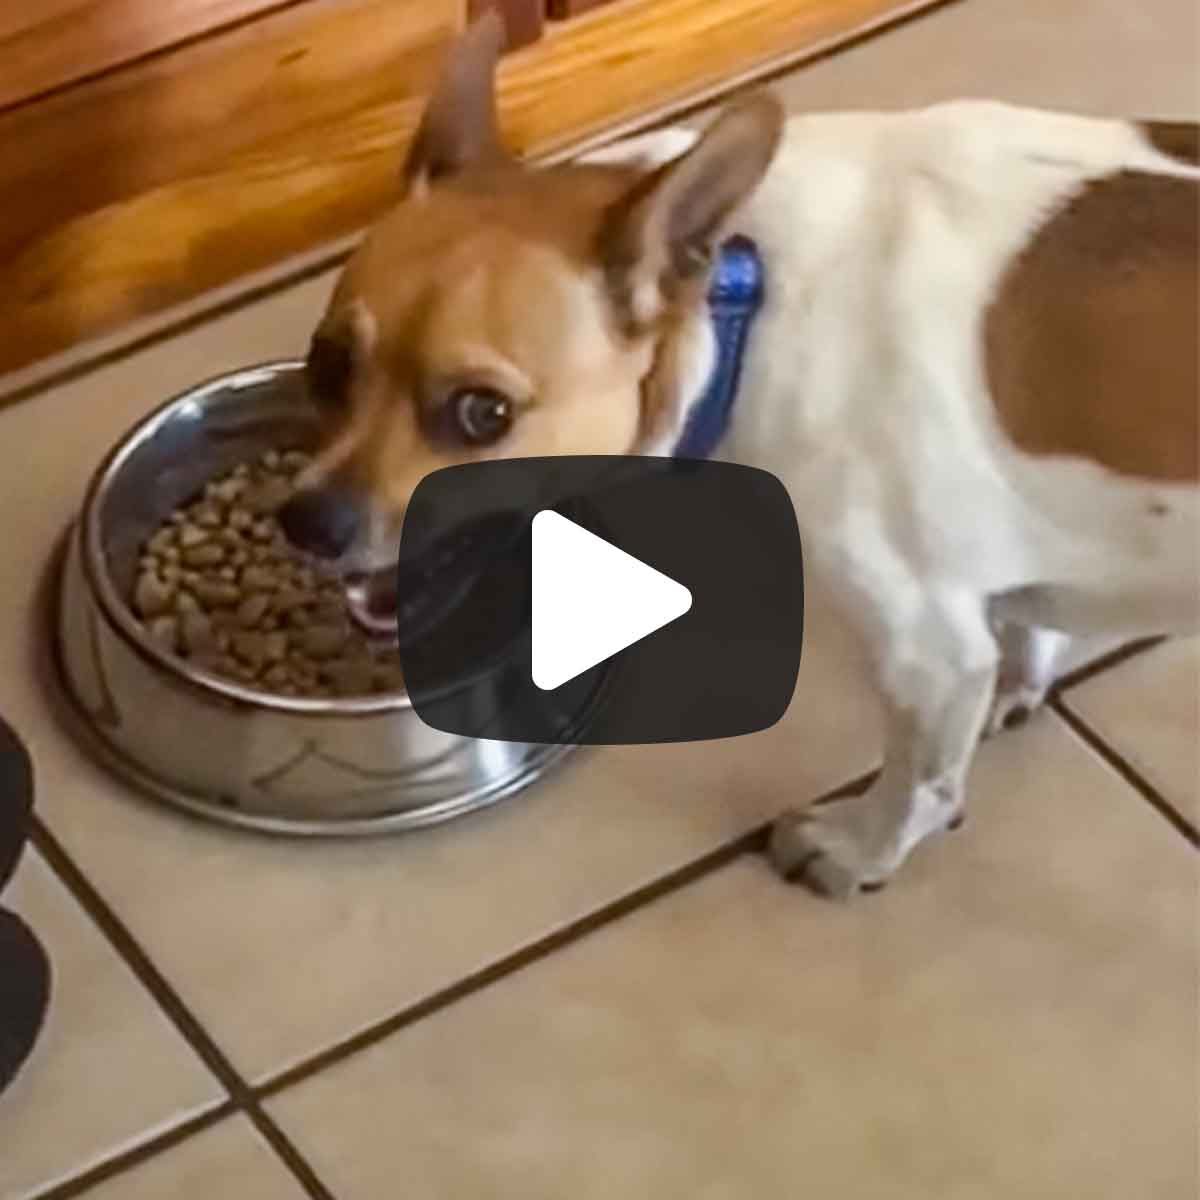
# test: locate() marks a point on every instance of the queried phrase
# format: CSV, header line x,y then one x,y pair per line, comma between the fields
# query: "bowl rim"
x,y
117,611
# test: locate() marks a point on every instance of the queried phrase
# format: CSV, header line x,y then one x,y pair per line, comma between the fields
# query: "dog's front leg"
x,y
937,672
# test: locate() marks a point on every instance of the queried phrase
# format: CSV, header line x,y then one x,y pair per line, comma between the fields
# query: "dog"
x,y
975,372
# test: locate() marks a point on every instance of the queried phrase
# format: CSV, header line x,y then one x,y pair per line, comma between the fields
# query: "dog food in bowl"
x,y
220,585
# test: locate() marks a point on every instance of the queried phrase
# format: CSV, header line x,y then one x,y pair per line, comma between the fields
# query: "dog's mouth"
x,y
372,599
408,602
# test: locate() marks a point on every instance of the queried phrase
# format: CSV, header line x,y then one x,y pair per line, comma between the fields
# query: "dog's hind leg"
x,y
937,671
1029,660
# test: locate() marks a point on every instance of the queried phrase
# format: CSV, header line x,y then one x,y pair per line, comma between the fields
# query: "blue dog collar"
x,y
734,299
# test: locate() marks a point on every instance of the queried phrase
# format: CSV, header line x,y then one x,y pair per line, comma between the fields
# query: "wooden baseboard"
x,y
143,188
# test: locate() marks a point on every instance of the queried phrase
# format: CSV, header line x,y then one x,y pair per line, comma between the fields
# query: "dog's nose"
x,y
321,521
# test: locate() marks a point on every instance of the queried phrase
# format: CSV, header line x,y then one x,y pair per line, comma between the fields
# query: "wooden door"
x,y
280,125
45,44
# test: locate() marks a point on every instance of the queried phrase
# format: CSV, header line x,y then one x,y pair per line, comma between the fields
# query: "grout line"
x,y
678,110
173,1006
533,952
752,842
245,1099
102,1172
852,787
1127,771
1106,662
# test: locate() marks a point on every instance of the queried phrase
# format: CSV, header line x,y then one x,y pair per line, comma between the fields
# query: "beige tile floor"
x,y
1014,1017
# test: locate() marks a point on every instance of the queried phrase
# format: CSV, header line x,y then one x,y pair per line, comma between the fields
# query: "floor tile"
x,y
108,1070
228,1162
1014,1016
1148,711
323,939
1107,57
283,948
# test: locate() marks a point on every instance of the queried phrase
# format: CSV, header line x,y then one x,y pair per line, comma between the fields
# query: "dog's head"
x,y
503,311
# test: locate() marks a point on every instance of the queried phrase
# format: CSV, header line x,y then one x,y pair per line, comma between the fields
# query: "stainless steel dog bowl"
x,y
229,752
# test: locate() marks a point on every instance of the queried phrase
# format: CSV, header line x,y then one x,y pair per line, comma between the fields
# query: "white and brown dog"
x,y
976,373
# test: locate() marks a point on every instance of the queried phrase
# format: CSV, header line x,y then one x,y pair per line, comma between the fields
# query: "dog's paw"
x,y
808,847
856,845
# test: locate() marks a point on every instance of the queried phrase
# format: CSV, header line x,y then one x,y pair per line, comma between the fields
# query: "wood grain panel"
x,y
633,57
561,9
175,119
47,43
176,181
523,19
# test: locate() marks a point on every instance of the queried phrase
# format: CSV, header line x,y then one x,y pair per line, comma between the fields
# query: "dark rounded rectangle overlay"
x,y
725,668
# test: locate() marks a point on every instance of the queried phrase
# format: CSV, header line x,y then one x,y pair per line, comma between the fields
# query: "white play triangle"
x,y
590,600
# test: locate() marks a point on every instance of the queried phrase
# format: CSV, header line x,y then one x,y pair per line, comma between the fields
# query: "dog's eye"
x,y
481,415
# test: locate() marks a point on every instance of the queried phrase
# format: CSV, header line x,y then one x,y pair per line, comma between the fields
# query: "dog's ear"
x,y
663,235
460,127
337,349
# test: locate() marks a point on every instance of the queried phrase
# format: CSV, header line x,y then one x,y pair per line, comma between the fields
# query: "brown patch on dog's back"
x,y
1177,139
1091,343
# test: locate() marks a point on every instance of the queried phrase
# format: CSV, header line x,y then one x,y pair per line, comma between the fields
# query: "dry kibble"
x,y
152,595
349,678
322,642
249,647
165,631
216,593
277,677
207,555
388,678
329,612
288,599
253,609
227,491
259,578
219,584
207,516
191,535
267,496
196,633
275,647
162,542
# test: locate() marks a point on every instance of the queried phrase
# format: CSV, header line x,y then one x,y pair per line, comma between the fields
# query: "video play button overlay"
x,y
590,600
600,600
